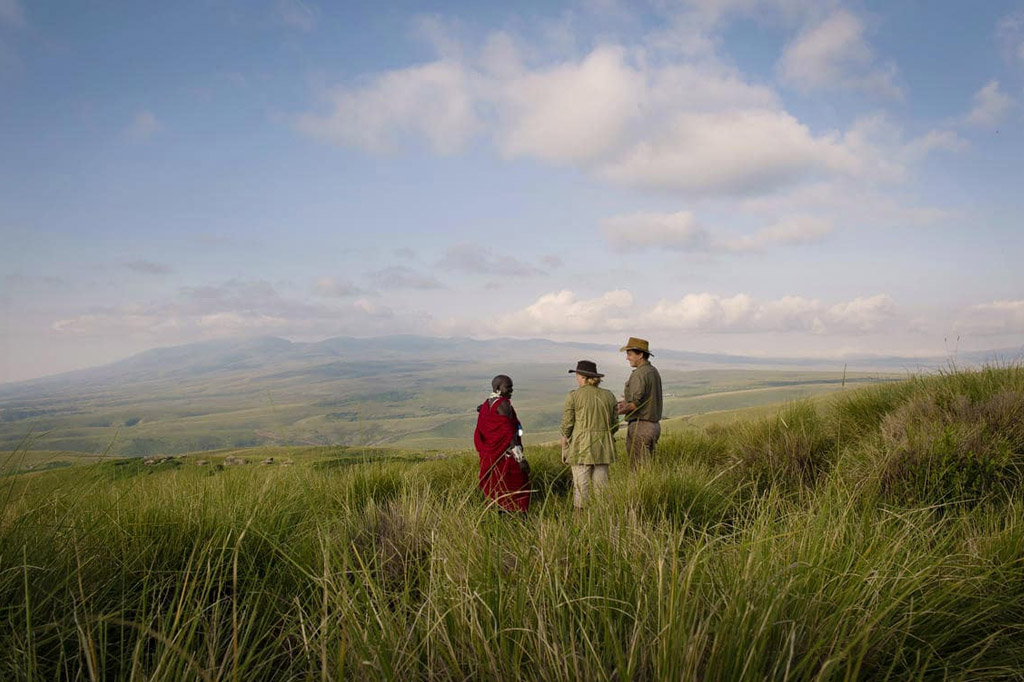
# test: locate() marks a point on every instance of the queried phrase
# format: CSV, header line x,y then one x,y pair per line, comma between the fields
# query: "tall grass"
x,y
775,549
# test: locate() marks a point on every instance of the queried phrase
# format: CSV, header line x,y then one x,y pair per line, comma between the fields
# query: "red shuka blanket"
x,y
501,477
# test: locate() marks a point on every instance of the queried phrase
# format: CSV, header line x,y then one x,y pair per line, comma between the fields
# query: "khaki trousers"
x,y
585,477
641,438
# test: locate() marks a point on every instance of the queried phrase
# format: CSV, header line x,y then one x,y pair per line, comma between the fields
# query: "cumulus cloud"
x,y
738,152
402,277
144,126
696,127
435,101
571,112
563,313
743,313
482,260
835,54
997,317
990,106
934,140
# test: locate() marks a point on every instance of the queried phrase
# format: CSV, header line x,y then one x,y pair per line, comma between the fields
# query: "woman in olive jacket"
x,y
589,423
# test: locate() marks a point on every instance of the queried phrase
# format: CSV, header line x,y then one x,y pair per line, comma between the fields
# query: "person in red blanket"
x,y
504,473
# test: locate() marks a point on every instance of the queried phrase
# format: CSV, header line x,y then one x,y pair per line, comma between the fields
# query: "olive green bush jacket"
x,y
589,422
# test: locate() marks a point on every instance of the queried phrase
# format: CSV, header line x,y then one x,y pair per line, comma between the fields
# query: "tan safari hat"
x,y
637,344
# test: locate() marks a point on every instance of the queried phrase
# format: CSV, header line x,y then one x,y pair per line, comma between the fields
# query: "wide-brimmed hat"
x,y
587,368
637,344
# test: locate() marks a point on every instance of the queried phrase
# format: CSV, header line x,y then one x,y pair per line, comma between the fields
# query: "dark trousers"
x,y
641,438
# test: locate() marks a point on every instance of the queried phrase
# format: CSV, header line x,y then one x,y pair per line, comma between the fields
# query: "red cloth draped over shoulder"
x,y
501,477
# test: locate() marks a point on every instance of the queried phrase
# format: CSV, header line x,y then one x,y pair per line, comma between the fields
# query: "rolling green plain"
x,y
422,407
874,533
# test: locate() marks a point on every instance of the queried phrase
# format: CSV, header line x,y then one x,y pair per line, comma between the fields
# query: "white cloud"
x,y
701,311
620,114
735,152
934,140
703,88
144,126
563,313
863,314
835,54
990,106
435,101
676,231
572,112
997,317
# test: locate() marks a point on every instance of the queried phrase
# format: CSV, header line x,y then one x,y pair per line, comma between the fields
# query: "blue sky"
x,y
776,177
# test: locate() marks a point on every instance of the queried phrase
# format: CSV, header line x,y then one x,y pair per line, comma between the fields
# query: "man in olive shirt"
x,y
641,403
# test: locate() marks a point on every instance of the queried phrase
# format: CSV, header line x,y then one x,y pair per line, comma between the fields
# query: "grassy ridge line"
x,y
772,548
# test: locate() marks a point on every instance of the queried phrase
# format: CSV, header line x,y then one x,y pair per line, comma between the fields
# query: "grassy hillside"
x,y
876,534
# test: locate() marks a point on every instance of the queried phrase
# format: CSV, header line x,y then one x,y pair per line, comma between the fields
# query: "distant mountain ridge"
x,y
417,391
205,358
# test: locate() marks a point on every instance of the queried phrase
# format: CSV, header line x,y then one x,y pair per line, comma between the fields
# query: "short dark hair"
x,y
499,381
647,356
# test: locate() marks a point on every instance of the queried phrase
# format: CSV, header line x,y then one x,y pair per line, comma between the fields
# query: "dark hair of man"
x,y
499,381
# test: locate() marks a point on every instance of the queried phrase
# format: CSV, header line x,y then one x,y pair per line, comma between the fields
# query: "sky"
x,y
762,177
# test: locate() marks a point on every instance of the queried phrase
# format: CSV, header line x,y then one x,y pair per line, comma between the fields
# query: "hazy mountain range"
x,y
407,390
345,353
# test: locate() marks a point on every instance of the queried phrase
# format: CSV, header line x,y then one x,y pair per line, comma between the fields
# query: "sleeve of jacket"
x,y
613,416
569,415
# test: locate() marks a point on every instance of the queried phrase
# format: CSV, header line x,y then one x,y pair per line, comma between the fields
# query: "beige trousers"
x,y
641,438
585,477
